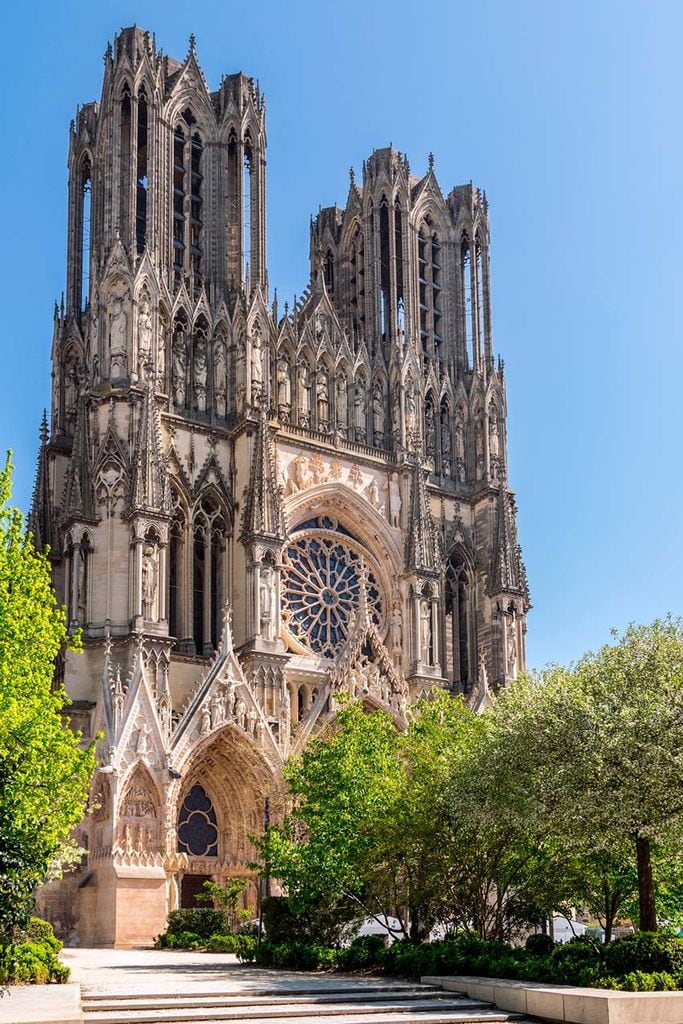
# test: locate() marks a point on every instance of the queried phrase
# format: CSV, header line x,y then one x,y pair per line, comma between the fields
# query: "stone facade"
x,y
251,508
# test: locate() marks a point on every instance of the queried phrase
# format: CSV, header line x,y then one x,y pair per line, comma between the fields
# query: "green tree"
x,y
596,753
227,898
44,773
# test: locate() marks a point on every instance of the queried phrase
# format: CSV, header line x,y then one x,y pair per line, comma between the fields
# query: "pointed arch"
x,y
460,609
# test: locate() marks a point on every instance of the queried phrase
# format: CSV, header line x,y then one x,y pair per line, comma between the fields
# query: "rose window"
x,y
323,569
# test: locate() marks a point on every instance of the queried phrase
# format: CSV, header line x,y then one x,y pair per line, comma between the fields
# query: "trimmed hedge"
x,y
203,921
638,963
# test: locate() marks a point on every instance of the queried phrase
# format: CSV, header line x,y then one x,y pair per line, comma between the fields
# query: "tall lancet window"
x,y
86,219
178,204
196,210
328,273
141,175
208,560
357,283
480,287
398,242
468,305
460,618
126,155
429,281
384,270
247,184
176,553
234,226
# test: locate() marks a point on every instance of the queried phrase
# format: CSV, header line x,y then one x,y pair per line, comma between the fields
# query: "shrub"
x,y
641,981
648,952
322,923
203,921
539,945
222,943
31,963
246,948
184,940
295,956
364,951
576,960
38,930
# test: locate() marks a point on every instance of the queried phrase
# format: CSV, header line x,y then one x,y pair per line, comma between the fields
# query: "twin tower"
x,y
250,509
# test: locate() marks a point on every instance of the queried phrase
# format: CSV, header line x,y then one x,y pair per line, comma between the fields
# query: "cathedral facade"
x,y
251,508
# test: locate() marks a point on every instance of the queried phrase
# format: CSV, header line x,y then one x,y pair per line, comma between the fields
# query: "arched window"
x,y
209,531
86,220
398,244
197,825
141,175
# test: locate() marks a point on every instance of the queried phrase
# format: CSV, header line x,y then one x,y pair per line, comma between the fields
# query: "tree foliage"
x,y
44,773
567,792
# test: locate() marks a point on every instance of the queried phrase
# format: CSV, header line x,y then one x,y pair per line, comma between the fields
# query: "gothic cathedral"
x,y
251,508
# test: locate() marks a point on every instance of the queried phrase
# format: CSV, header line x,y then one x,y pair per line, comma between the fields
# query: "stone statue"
x,y
144,334
205,727
342,403
459,439
494,445
303,394
322,392
425,632
430,429
256,367
394,503
411,410
378,414
149,580
200,373
266,602
396,628
359,410
284,387
373,493
219,379
118,338
179,366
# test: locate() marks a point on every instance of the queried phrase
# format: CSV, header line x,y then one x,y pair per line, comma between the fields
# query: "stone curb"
x,y
41,1004
567,1003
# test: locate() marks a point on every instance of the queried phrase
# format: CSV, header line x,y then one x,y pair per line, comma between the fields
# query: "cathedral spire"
x,y
421,541
80,494
149,485
508,573
40,515
263,515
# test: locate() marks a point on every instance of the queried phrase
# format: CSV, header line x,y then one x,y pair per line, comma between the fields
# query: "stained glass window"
x,y
323,566
197,827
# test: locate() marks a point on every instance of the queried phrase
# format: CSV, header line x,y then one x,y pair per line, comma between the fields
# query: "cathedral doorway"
x,y
190,888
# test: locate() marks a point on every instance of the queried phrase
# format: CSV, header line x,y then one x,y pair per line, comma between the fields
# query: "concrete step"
x,y
141,1002
267,997
412,1015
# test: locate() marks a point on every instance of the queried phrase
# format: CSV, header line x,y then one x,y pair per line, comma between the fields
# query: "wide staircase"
x,y
340,1002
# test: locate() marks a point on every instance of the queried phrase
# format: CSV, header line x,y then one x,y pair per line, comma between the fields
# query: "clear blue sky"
x,y
567,113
